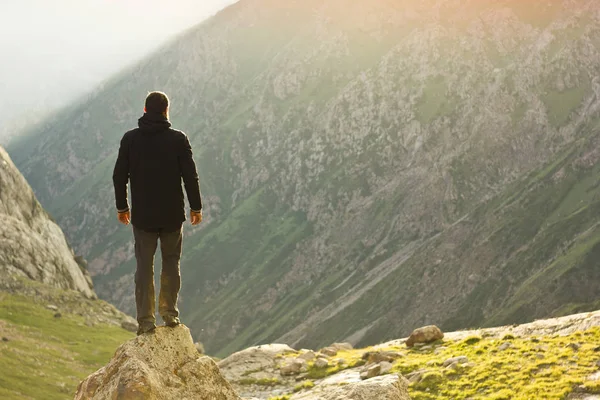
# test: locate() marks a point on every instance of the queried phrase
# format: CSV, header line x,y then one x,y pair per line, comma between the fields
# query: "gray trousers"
x,y
170,278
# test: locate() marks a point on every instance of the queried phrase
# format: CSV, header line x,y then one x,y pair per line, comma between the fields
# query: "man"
x,y
155,158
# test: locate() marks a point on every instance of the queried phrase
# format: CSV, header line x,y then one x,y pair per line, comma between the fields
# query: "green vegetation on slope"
x,y
45,357
506,367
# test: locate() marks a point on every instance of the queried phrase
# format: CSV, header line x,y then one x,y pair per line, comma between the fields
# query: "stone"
x,y
574,346
329,351
57,315
322,363
52,307
200,347
387,387
378,356
459,360
440,350
504,346
309,355
257,358
385,367
164,365
293,367
416,376
128,325
5,339
342,346
370,371
427,334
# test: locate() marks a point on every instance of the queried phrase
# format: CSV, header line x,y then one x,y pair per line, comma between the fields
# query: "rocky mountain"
x,y
32,244
366,167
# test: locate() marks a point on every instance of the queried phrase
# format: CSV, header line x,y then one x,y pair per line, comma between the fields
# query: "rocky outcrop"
x,y
424,335
161,366
258,358
31,243
389,387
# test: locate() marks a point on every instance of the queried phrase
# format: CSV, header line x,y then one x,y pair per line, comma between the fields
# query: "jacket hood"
x,y
153,122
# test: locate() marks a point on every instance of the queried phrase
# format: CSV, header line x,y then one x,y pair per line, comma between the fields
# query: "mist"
x,y
53,52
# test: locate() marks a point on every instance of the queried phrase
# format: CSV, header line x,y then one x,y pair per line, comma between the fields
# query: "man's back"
x,y
154,158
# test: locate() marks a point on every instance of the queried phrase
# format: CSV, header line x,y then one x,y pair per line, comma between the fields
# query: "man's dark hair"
x,y
157,102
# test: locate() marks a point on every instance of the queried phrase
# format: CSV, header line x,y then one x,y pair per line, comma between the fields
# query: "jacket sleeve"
x,y
121,176
189,173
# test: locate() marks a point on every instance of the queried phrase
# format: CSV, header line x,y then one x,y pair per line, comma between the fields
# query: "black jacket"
x,y
155,158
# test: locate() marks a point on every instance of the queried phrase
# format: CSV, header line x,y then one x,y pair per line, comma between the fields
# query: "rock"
x,y
160,366
58,315
504,346
426,334
128,325
342,346
200,347
459,360
293,367
5,339
322,363
378,356
594,377
416,376
385,367
574,346
440,350
309,355
387,387
252,359
329,351
371,371
340,361
33,246
52,307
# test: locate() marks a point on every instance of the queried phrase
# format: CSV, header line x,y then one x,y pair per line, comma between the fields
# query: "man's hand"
x,y
125,217
195,217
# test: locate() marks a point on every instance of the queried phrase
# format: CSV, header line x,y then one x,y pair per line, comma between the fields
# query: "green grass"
x,y
46,357
545,368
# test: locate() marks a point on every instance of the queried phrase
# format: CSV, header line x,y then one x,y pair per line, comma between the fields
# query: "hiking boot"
x,y
171,321
143,329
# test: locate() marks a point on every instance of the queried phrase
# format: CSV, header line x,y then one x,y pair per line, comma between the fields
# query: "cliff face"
x,y
31,244
366,166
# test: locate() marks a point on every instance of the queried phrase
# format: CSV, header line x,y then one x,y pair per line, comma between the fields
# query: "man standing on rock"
x,y
155,158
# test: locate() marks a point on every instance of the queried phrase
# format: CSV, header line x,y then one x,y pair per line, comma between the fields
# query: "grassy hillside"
x,y
366,167
45,357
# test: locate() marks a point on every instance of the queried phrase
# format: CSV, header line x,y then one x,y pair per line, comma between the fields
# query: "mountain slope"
x,y
366,166
32,243
52,339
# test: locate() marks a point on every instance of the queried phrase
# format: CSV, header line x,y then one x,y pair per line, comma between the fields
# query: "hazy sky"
x,y
54,50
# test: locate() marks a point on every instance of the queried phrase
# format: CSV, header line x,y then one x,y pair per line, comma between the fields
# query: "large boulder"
x,y
258,358
164,365
388,387
425,335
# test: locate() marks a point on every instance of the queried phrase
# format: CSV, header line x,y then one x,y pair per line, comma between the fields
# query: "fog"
x,y
54,51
